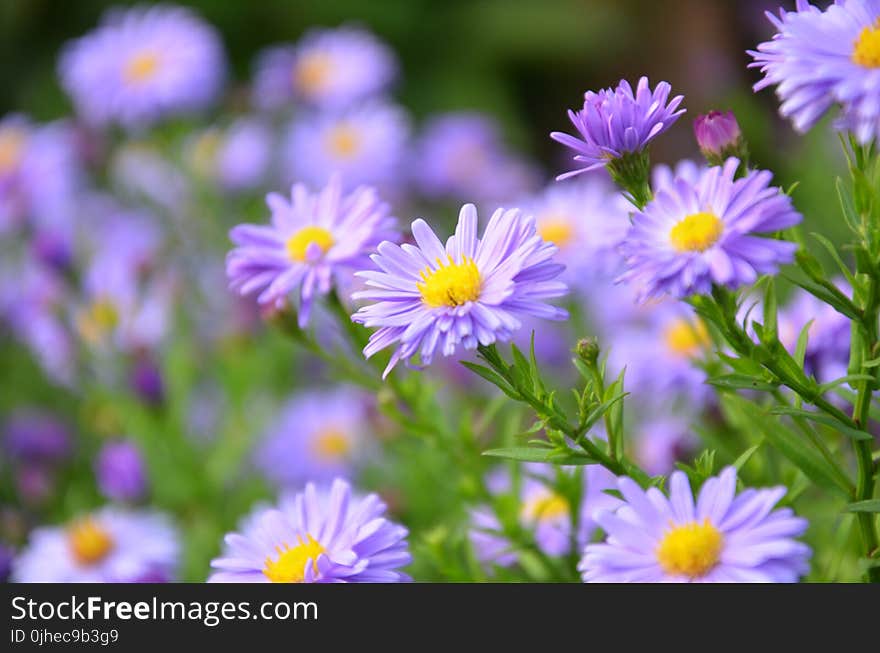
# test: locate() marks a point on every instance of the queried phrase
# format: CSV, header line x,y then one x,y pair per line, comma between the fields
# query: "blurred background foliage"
x,y
524,61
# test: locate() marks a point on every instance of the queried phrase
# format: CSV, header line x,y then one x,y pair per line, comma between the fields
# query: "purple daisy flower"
x,y
821,58
142,64
692,236
587,220
328,68
318,537
318,436
365,144
315,240
471,291
724,538
461,156
108,546
236,158
618,121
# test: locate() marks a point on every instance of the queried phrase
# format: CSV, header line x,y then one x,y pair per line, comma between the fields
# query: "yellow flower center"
x,y
141,67
556,229
290,566
12,142
691,550
343,141
331,444
545,507
88,542
98,320
686,337
298,243
450,285
866,49
696,232
312,72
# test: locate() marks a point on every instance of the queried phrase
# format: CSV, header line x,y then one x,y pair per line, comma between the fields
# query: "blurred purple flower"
x,y
318,436
364,144
40,176
461,156
120,471
146,381
663,441
328,68
36,437
142,64
107,546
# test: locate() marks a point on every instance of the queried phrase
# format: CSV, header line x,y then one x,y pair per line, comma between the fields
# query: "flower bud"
x,y
719,136
587,350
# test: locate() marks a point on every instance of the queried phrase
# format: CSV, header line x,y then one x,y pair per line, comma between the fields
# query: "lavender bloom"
x,y
328,68
718,135
108,546
661,356
39,177
244,156
317,436
317,537
616,122
469,292
461,156
724,538
587,220
821,58
364,144
315,241
143,64
692,236
120,471
36,438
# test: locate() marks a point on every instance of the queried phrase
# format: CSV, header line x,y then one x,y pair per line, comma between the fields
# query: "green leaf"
x,y
535,455
742,382
744,457
741,414
832,250
800,352
849,211
822,418
600,410
870,505
831,296
492,377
